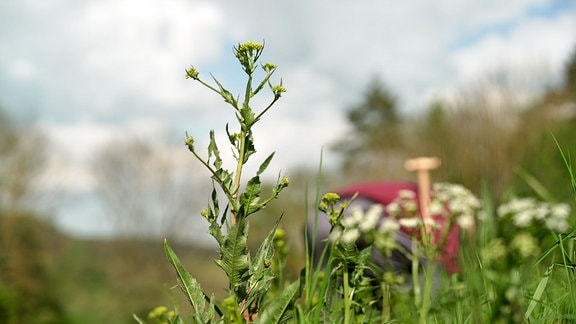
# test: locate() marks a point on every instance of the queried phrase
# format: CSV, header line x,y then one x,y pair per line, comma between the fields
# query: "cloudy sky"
x,y
88,70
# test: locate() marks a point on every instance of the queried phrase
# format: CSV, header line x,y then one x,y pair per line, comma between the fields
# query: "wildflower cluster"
x,y
523,224
507,256
528,212
457,201
405,209
356,224
451,201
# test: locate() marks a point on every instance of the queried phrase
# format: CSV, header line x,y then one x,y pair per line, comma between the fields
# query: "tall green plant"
x,y
249,277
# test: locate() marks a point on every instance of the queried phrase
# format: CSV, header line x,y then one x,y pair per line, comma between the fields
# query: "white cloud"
x,y
532,43
144,47
22,69
522,61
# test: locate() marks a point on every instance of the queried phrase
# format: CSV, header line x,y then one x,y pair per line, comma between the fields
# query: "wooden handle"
x,y
422,166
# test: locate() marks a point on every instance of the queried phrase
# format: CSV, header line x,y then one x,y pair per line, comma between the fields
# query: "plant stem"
x,y
238,173
347,298
415,272
386,302
244,131
427,295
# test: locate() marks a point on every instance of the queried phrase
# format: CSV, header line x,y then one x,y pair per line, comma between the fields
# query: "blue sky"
x,y
89,71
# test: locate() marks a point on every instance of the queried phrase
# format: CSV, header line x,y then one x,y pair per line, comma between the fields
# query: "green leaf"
x,y
223,177
249,200
213,151
249,146
538,292
137,319
262,83
227,95
261,275
278,309
215,229
189,286
265,164
248,117
232,137
234,256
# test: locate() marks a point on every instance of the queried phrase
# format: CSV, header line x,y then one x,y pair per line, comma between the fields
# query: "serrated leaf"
x,y
248,116
188,284
215,229
261,274
231,137
265,164
249,147
213,151
249,200
234,255
277,310
223,177
227,95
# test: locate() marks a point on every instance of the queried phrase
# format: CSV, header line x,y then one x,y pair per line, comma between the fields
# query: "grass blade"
x,y
276,310
538,292
189,285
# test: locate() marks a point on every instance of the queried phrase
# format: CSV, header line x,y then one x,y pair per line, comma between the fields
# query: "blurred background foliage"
x,y
484,135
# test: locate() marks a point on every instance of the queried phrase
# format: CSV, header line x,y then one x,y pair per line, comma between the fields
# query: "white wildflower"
x,y
350,235
371,218
436,207
432,223
410,222
465,221
482,215
456,190
474,202
523,218
388,225
458,207
557,224
406,194
442,196
393,209
459,199
518,205
335,235
561,211
541,211
355,217
503,211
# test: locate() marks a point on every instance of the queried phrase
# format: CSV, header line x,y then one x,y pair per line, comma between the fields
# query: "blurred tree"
x,y
23,153
150,191
480,136
371,149
27,292
554,116
570,74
